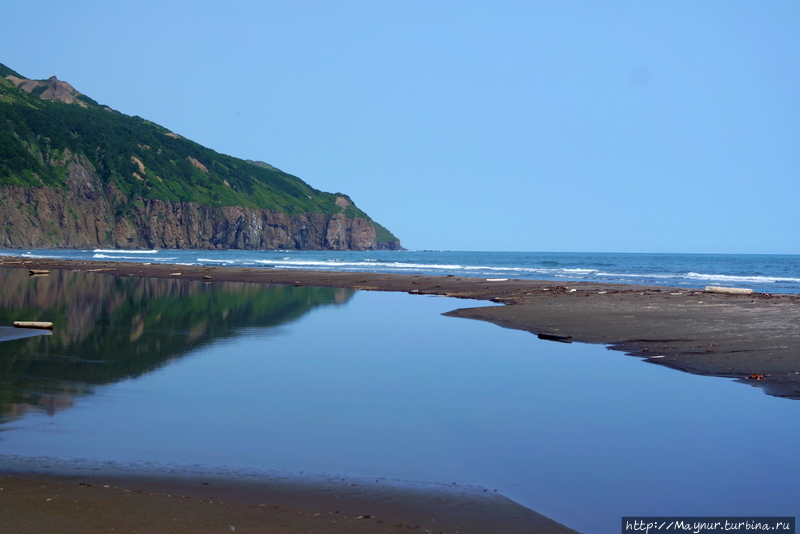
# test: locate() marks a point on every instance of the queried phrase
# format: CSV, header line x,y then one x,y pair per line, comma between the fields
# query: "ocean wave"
x,y
746,279
209,260
122,251
114,257
371,265
342,263
649,275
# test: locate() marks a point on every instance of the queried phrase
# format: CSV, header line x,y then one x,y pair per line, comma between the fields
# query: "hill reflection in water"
x,y
108,328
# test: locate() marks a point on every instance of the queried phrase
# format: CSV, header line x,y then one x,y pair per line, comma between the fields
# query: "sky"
x,y
615,126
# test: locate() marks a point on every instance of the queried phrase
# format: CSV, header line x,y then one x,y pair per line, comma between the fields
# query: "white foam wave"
x,y
114,257
209,260
339,264
372,264
32,255
121,251
631,275
746,279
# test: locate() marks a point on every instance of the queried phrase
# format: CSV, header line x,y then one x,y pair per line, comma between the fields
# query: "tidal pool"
x,y
367,384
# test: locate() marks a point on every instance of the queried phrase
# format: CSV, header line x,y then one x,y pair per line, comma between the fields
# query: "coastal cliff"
x,y
75,174
88,214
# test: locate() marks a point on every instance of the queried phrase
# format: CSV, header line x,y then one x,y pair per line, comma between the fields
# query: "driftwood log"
x,y
33,324
728,290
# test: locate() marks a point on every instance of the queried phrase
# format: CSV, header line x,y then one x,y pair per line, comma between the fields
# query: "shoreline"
x,y
752,338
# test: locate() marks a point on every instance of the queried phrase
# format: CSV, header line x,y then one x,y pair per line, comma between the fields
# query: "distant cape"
x,y
75,173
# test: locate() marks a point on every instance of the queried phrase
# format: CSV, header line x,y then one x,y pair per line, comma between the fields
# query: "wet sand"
x,y
754,338
36,503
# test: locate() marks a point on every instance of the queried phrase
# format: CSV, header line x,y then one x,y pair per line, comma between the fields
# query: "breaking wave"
x,y
122,251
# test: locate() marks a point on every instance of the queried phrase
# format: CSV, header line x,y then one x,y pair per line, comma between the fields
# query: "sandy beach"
x,y
35,503
753,338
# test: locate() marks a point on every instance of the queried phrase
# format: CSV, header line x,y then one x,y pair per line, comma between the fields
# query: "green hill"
x,y
54,138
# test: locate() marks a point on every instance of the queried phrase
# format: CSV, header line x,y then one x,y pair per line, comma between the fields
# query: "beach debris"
x,y
728,290
602,292
207,277
572,291
756,377
34,324
175,274
38,272
497,279
654,357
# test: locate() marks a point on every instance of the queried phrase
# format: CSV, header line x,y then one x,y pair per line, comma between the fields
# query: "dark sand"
x,y
37,503
754,338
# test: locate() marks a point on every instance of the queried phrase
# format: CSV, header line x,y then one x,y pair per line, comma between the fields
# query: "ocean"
x,y
769,273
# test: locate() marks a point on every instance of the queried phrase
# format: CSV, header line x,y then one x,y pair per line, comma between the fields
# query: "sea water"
x,y
367,384
770,273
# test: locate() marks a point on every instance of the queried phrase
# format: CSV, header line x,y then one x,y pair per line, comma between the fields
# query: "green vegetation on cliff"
x,y
40,131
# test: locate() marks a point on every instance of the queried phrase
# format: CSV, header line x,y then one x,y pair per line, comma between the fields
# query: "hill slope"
x,y
74,173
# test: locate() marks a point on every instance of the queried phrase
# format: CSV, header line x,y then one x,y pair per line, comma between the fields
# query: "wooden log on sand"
x,y
34,324
729,290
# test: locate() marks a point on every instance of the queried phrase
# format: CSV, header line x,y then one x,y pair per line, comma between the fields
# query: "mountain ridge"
x,y
97,177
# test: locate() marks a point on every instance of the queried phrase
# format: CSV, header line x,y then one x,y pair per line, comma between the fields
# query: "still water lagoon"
x,y
367,384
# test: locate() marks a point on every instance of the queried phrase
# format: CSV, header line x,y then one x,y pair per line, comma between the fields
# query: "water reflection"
x,y
382,387
108,328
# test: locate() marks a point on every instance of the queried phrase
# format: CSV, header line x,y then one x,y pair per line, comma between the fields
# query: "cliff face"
x,y
88,214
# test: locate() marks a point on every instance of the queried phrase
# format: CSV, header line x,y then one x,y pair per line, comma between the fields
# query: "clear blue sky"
x,y
488,125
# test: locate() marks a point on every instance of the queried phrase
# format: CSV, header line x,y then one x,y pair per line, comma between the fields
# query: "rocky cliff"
x,y
86,214
76,174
